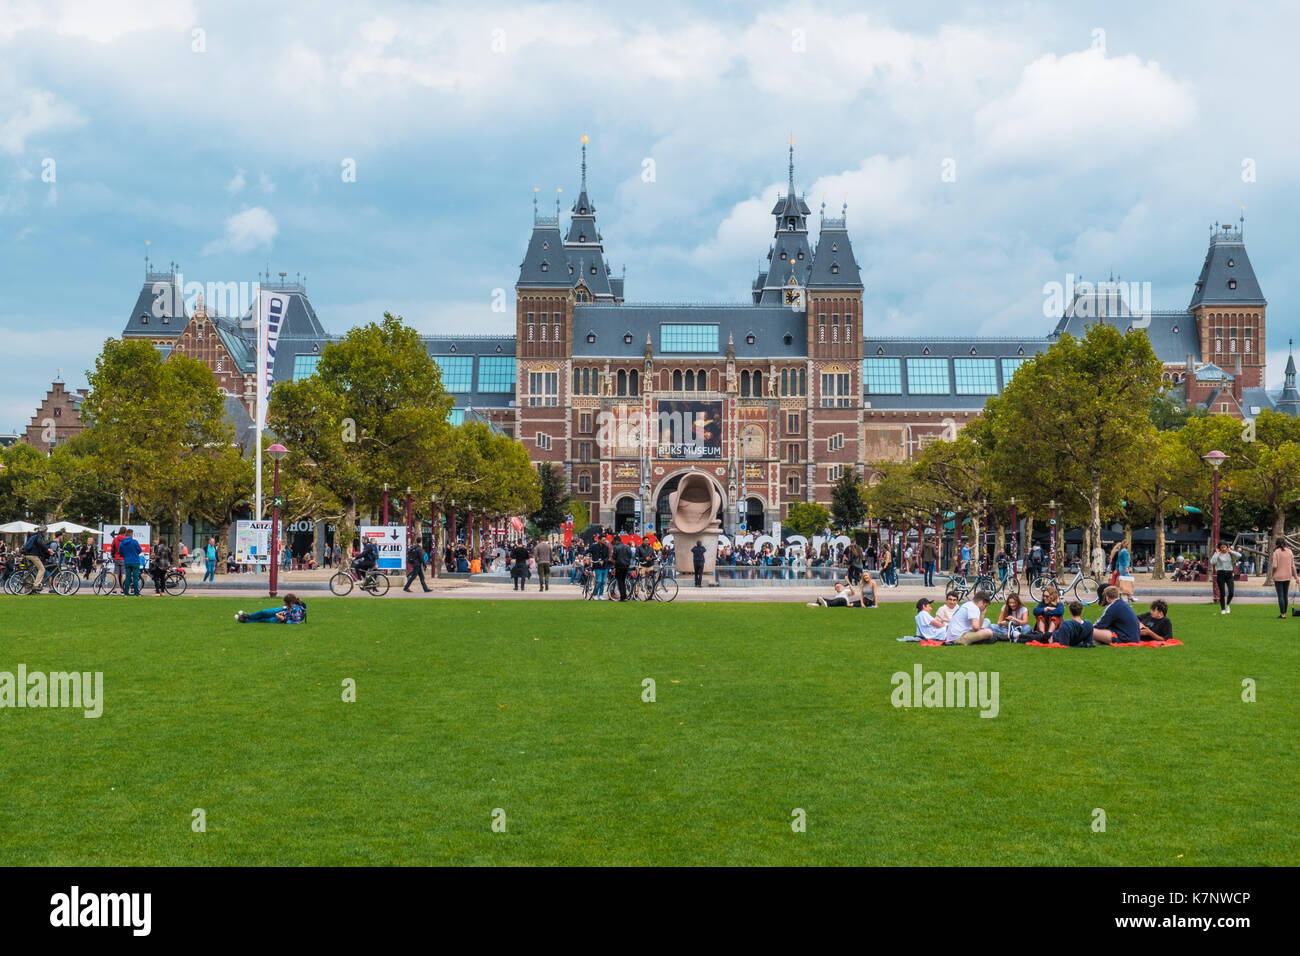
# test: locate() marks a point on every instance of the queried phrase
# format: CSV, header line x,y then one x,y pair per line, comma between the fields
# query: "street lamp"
x,y
1214,459
385,521
1052,526
276,452
408,516
1015,552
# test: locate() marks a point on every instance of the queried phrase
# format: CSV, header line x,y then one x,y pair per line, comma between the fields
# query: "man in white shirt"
x,y
928,627
968,624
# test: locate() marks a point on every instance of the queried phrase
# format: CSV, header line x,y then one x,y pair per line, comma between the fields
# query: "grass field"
x,y
466,706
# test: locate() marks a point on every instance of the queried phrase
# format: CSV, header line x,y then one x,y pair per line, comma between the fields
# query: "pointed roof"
x,y
582,225
790,255
1289,400
1227,277
834,265
159,308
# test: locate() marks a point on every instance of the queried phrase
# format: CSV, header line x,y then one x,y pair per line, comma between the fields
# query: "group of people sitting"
x,y
958,623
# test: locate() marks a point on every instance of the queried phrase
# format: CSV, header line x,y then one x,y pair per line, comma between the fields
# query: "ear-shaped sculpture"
x,y
694,504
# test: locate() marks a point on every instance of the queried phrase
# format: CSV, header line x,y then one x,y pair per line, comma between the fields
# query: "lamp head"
x,y
276,452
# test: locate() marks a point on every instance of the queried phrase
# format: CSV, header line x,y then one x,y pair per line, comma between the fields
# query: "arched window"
x,y
700,380
803,381
622,382
758,384
785,381
632,384
677,380
744,384
577,379
586,381
690,381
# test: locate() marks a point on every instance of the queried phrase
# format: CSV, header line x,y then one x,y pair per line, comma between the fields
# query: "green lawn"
x,y
535,708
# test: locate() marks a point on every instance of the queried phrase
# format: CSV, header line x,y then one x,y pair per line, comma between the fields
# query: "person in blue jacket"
x,y
130,550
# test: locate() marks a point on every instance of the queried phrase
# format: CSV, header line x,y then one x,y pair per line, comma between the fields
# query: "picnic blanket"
x,y
1169,643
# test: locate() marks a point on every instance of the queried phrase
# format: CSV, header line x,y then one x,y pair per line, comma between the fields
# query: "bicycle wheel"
x,y
586,588
1036,587
1012,584
666,589
67,582
956,582
21,582
174,583
341,584
1085,590
377,584
105,582
984,583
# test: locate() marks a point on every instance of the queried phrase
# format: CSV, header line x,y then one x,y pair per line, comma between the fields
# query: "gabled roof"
x,y
833,263
1212,373
545,263
1227,277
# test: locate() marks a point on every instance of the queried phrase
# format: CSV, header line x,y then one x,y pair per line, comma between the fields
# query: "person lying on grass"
x,y
1117,624
1076,632
1013,620
1155,625
968,624
845,596
293,612
1049,611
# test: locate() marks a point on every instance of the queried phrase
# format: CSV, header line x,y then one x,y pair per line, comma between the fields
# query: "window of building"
x,y
304,366
792,423
622,381
758,384
785,381
677,380
834,472
633,383
676,338
456,416
584,452
543,388
835,442
496,373
792,485
744,384
975,376
584,484
543,441
584,423
927,376
835,390
882,376
58,412
792,452
690,380
1232,284
457,372
803,381
1009,366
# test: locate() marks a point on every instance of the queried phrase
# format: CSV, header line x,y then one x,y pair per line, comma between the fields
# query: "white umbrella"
x,y
17,527
71,527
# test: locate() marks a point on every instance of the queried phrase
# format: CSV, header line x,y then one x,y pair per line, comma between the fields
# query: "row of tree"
x,y
1089,425
157,444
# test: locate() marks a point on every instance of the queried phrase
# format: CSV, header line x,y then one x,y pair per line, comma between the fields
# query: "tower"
x,y
1228,308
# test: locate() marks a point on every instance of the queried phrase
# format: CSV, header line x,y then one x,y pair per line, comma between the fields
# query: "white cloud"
x,y
265,183
103,21
1082,110
37,111
245,231
237,182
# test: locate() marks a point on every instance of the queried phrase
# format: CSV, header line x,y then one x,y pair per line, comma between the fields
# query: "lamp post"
x,y
276,452
385,521
1015,552
1214,459
1051,524
408,516
983,543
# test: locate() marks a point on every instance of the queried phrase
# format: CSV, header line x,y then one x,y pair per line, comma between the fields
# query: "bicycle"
x,y
22,580
174,582
997,588
105,581
374,582
1084,588
658,585
957,584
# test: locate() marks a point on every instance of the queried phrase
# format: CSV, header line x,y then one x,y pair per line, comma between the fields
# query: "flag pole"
x,y
261,401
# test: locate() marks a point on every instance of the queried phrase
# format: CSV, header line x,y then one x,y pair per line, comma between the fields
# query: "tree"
x,y
1082,410
1169,411
554,497
806,518
848,503
1161,481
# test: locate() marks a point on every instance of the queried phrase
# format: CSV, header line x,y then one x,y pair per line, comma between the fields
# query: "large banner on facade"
x,y
689,430
253,542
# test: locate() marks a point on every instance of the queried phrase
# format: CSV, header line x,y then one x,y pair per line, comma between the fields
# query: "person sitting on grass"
x,y
968,624
951,600
293,612
1013,620
1049,612
927,626
868,588
1076,632
1117,624
845,596
1155,625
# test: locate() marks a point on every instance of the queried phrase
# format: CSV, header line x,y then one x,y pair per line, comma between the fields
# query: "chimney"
x,y
1237,363
1191,364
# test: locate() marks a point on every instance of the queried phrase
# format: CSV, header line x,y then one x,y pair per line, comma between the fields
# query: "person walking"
x,y
415,568
1283,575
161,560
622,565
130,550
210,561
1221,563
519,566
697,554
542,554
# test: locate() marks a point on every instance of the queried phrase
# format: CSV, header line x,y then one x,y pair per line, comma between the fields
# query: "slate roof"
x,y
545,247
834,252
1172,334
1226,264
162,290
612,325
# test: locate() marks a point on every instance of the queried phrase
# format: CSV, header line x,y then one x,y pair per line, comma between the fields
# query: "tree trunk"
x,y
1028,541
348,529
223,544
1094,511
1085,556
1158,560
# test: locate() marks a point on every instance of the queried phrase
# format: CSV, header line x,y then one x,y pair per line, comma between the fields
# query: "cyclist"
x,y
645,561
38,552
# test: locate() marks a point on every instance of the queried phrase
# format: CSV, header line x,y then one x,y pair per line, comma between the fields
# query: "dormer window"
x,y
451,348
793,222
593,270
144,319
582,238
787,338
582,210
545,244
591,338
835,247
835,270
1231,263
570,270
546,266
627,338
801,255
749,339
1232,283
782,253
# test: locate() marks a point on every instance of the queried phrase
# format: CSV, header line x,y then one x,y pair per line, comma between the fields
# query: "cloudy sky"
x,y
983,150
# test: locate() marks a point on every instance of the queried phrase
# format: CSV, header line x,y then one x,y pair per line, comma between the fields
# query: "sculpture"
x,y
694,518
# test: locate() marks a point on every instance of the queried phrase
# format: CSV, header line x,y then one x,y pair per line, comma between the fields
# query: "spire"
x,y
584,162
535,189
791,192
